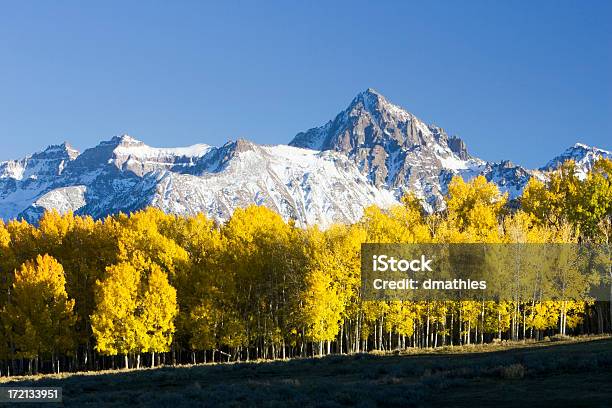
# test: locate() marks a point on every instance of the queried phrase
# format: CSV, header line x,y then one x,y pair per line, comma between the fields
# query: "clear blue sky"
x,y
521,80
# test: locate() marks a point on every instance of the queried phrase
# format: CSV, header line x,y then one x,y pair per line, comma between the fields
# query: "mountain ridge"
x,y
370,153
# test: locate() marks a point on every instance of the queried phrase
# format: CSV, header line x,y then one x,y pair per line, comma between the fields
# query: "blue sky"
x,y
520,80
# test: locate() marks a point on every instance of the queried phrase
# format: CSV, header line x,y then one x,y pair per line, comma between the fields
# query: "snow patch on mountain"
x,y
370,154
583,155
308,186
394,148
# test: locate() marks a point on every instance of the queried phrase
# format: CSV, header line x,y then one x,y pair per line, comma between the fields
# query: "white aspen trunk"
x,y
460,328
375,334
451,328
427,329
340,350
469,332
436,336
483,324
524,321
380,335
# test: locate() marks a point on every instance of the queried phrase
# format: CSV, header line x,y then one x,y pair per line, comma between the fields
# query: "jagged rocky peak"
x,y
583,155
459,147
372,120
125,140
374,102
217,158
241,145
61,151
125,153
392,146
40,165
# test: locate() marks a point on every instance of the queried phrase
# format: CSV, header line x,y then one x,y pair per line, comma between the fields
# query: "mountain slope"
x,y
308,186
22,181
124,174
369,154
400,152
584,156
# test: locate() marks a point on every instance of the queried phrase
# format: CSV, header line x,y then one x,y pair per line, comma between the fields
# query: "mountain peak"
x,y
125,140
583,155
60,151
371,93
371,99
581,146
585,147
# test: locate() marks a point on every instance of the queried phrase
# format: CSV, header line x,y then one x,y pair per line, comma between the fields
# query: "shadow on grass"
x,y
365,380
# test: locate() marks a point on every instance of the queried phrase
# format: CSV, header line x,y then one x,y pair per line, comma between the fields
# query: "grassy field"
x,y
568,373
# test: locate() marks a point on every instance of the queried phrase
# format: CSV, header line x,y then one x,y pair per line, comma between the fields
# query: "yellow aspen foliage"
x,y
205,287
342,248
398,224
556,201
542,315
139,237
266,262
114,321
203,326
474,208
593,210
401,317
575,310
521,227
322,307
25,241
40,314
5,237
158,310
497,316
5,263
53,228
6,280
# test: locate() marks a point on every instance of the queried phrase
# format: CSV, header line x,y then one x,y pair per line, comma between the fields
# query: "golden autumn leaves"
x,y
259,287
40,314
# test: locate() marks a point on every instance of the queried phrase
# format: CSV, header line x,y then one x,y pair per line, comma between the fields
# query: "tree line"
x,y
151,288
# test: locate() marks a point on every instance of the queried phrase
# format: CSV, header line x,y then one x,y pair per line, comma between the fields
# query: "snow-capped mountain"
x,y
369,154
124,174
584,156
23,181
400,152
308,186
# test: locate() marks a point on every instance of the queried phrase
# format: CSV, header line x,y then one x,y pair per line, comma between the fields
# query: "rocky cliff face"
x,y
400,152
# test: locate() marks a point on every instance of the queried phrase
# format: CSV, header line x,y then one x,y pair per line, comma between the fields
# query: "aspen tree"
x,y
158,309
114,322
40,314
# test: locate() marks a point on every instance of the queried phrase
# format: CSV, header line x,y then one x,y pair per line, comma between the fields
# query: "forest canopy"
x,y
149,287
